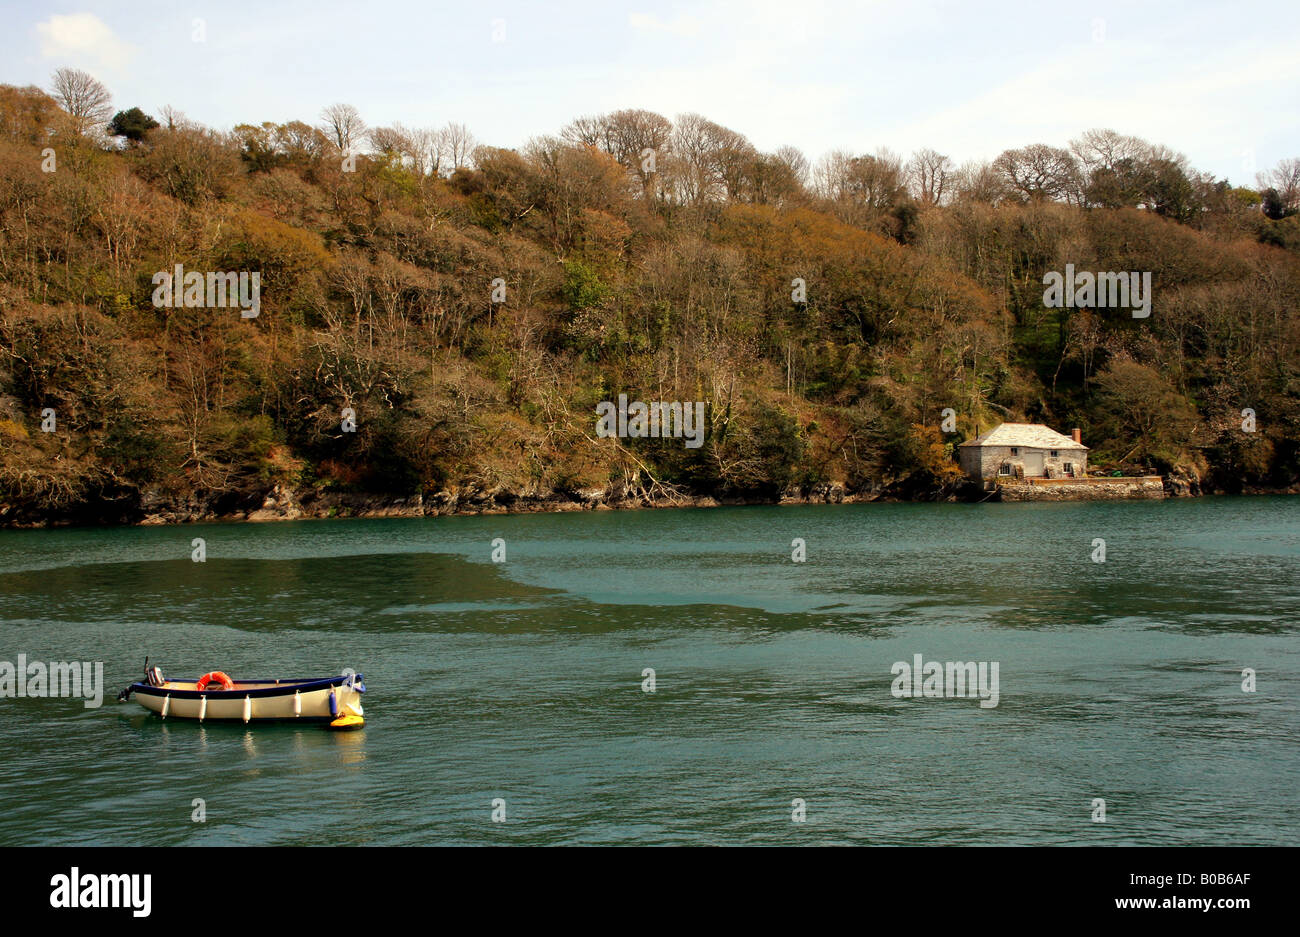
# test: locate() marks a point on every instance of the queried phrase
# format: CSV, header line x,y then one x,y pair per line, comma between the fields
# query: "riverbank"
x,y
280,503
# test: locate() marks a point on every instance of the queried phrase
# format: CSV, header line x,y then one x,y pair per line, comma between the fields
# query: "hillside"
x,y
633,255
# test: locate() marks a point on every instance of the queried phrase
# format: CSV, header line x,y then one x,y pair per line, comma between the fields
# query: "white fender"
x,y
203,707
297,703
248,708
167,705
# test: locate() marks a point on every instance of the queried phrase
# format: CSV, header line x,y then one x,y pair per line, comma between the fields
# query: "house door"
x,y
1034,462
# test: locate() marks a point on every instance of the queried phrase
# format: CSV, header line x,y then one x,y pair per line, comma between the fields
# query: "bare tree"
x,y
710,159
343,125
174,119
623,134
831,174
979,182
626,135
797,163
769,180
297,140
861,187
393,142
455,147
87,101
429,151
929,176
1106,149
1040,172
1284,178
589,131
633,131
424,149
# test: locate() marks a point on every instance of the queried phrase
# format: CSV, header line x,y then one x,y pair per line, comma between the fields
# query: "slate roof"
x,y
1025,435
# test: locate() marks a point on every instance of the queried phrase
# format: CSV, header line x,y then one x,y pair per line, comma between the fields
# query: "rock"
x,y
1183,483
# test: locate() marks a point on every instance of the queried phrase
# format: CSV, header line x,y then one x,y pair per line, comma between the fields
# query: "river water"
x,y
524,682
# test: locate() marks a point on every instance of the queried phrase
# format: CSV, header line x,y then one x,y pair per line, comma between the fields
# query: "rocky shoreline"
x,y
286,504
280,503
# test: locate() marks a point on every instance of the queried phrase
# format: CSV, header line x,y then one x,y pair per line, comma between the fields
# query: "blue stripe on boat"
x,y
285,688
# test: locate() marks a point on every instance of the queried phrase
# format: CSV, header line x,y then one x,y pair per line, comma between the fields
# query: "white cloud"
x,y
82,38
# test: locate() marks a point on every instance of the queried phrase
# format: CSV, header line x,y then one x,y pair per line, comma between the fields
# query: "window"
x,y
1054,454
1015,451
1004,468
1069,469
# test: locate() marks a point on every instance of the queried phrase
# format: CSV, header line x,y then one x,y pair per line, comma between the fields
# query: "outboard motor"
x,y
152,676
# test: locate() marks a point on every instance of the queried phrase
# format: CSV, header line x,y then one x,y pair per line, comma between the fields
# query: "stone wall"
x,y
1084,489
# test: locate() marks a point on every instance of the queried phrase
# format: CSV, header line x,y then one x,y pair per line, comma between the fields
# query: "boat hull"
x,y
253,700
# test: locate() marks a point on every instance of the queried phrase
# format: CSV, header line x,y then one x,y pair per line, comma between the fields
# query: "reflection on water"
x,y
352,747
523,680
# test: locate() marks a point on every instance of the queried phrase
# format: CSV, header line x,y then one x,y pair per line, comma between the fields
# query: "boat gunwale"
x,y
283,687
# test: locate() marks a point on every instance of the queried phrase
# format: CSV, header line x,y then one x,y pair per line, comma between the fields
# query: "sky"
x,y
1219,82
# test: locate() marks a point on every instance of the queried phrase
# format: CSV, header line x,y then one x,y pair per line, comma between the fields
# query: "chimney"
x,y
1077,434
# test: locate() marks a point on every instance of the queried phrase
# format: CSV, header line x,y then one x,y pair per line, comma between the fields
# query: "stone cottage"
x,y
1024,450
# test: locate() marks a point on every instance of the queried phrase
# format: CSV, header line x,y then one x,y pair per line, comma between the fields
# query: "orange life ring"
x,y
216,676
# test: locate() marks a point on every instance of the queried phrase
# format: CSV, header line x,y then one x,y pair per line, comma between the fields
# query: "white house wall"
x,y
983,461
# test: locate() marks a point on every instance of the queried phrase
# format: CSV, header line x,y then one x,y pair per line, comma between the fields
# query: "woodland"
x,y
827,311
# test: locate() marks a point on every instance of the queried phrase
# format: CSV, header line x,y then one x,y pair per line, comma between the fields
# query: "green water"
x,y
523,680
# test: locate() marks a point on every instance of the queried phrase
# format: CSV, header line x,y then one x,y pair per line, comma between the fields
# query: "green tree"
x,y
134,124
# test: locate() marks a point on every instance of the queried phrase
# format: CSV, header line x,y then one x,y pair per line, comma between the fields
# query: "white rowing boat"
x,y
216,696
